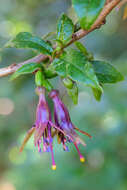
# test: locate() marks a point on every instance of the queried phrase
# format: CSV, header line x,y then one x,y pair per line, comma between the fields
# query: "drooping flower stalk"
x,y
63,123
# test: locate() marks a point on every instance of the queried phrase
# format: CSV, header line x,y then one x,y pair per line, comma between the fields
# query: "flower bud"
x,y
68,83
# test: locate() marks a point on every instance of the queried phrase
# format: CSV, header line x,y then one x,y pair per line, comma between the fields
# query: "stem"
x,y
97,24
76,36
14,67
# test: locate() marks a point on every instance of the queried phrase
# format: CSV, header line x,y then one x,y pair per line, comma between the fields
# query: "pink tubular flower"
x,y
66,129
42,126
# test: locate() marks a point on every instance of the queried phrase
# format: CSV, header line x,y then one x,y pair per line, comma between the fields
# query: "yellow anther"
x,y
53,167
82,159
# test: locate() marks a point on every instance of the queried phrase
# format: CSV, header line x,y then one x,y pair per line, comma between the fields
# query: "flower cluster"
x,y
45,130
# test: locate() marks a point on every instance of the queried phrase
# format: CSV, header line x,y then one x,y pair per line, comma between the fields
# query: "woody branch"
x,y
76,36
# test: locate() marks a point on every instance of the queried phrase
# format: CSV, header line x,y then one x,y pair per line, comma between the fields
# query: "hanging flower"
x,y
66,129
42,127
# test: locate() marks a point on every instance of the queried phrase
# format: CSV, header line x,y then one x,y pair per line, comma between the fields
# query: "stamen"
x,y
82,159
27,137
44,144
39,148
53,167
53,160
83,132
44,148
60,130
64,145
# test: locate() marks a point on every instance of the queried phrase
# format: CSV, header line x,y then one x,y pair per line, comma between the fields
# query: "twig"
x,y
100,21
107,1
76,36
14,67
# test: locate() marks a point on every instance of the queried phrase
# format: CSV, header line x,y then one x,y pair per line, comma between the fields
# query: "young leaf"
x,y
82,48
68,83
75,65
65,28
87,11
26,40
97,94
73,93
59,66
106,73
80,70
26,69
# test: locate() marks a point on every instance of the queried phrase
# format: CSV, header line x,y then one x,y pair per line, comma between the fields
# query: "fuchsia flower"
x,y
43,127
63,123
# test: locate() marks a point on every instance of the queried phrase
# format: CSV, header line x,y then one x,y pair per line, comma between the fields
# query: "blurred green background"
x,y
106,154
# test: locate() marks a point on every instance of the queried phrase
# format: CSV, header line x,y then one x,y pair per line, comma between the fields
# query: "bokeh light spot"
x,y
5,28
6,106
7,186
20,27
111,120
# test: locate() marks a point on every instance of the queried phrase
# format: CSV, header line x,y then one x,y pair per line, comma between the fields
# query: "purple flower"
x,y
42,127
66,129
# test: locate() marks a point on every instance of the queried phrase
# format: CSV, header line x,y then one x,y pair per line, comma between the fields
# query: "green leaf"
x,y
82,48
26,69
27,40
49,35
59,66
74,65
97,94
106,73
73,93
87,11
65,28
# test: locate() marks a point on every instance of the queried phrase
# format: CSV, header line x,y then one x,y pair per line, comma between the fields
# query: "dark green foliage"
x,y
26,69
75,65
106,73
65,29
27,40
87,11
